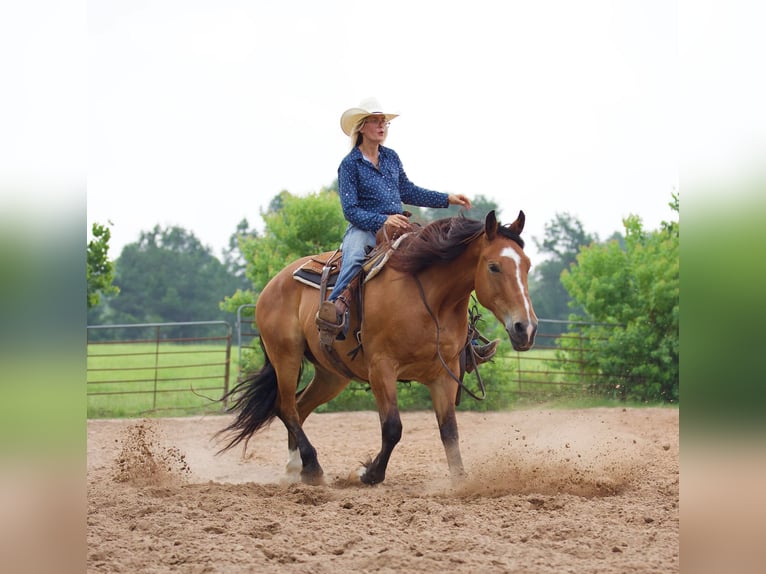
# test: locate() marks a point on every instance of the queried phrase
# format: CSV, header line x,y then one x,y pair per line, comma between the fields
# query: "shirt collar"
x,y
356,153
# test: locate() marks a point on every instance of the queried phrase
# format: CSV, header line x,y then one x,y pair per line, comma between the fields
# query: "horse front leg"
x,y
443,394
383,386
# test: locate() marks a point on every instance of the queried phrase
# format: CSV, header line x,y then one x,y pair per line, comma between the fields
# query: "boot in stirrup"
x,y
331,320
482,354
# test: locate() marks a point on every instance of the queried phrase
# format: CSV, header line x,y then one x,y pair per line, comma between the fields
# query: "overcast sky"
x,y
201,112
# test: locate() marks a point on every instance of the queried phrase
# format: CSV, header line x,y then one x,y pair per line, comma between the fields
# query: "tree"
x,y
233,259
168,276
100,271
636,288
564,237
294,227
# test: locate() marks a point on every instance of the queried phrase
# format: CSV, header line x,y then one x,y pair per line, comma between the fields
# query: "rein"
x,y
469,351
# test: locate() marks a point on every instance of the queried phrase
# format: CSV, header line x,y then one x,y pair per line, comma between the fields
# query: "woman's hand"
x,y
397,220
459,199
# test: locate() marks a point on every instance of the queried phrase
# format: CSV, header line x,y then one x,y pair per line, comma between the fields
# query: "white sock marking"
x,y
294,462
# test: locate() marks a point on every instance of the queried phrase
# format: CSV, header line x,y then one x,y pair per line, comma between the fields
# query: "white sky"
x,y
198,113
202,111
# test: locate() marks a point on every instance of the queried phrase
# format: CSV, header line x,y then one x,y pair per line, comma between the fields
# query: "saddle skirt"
x,y
310,273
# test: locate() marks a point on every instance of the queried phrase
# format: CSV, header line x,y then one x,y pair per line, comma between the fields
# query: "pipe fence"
x,y
176,368
153,367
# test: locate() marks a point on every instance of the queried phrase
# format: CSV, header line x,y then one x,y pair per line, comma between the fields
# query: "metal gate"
x,y
152,367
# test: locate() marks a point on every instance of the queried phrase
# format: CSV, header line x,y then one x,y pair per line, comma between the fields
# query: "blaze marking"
x,y
511,254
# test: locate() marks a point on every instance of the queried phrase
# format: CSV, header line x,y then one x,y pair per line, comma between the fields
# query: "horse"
x,y
414,320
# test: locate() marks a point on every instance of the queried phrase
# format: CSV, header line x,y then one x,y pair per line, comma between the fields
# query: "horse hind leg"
x,y
324,386
303,459
303,455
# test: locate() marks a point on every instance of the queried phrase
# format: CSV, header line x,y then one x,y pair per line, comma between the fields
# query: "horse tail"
x,y
255,399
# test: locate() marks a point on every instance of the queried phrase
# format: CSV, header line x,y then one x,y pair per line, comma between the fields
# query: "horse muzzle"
x,y
522,335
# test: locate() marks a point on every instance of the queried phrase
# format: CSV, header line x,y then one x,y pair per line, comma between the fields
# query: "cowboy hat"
x,y
367,107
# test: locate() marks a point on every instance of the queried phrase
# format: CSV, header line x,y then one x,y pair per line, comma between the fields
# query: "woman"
x,y
373,185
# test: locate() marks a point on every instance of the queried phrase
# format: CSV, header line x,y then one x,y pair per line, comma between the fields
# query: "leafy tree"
x,y
637,288
168,276
100,271
294,227
233,259
564,237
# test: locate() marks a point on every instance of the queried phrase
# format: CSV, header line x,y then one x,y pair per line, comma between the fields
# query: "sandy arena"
x,y
548,491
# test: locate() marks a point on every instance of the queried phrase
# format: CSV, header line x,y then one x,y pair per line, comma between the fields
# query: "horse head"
x,y
501,280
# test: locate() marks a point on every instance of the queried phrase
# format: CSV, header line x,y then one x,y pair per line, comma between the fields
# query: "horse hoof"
x,y
312,479
459,478
366,478
290,478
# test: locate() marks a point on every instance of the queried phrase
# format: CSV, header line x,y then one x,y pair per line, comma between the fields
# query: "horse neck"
x,y
450,286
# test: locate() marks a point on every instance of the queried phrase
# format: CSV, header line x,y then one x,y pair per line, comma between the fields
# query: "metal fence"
x,y
247,332
546,370
152,367
543,371
157,366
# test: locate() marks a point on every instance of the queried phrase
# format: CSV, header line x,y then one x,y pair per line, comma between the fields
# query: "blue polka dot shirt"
x,y
368,195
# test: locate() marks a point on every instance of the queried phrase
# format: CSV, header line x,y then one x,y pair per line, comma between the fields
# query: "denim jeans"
x,y
354,248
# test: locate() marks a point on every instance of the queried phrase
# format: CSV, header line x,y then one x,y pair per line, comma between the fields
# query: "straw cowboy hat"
x,y
367,107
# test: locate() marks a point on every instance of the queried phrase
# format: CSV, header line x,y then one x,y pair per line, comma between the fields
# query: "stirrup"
x,y
327,314
482,354
327,323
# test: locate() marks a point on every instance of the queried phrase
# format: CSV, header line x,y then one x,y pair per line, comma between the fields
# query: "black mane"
x,y
441,241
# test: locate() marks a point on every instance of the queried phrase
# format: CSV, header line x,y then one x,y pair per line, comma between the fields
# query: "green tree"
x,y
100,271
233,259
564,237
168,276
294,227
636,288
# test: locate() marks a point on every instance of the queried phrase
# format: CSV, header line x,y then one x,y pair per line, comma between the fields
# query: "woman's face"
x,y
375,129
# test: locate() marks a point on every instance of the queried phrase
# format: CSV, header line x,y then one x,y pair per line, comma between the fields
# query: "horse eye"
x,y
494,268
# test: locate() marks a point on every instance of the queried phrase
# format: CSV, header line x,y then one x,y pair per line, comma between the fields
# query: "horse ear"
x,y
490,225
518,226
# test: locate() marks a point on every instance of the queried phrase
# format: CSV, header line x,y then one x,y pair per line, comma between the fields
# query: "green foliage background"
x,y
636,287
99,269
628,284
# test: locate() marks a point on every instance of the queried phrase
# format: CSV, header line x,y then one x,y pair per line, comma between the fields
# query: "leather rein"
x,y
469,352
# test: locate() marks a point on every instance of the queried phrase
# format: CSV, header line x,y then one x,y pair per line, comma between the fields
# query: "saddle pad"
x,y
310,273
313,279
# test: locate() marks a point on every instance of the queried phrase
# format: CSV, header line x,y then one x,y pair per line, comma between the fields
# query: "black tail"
x,y
255,403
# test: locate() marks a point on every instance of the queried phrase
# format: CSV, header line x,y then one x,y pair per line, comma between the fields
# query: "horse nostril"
x,y
519,327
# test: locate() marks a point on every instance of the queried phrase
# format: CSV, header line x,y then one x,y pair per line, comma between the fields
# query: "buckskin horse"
x,y
413,325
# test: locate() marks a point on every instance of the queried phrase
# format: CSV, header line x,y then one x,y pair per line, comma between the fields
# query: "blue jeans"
x,y
354,248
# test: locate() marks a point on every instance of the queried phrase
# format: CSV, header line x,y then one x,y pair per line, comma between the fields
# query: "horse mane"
x,y
441,241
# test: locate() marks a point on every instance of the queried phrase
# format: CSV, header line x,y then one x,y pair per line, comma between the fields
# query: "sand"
x,y
548,491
